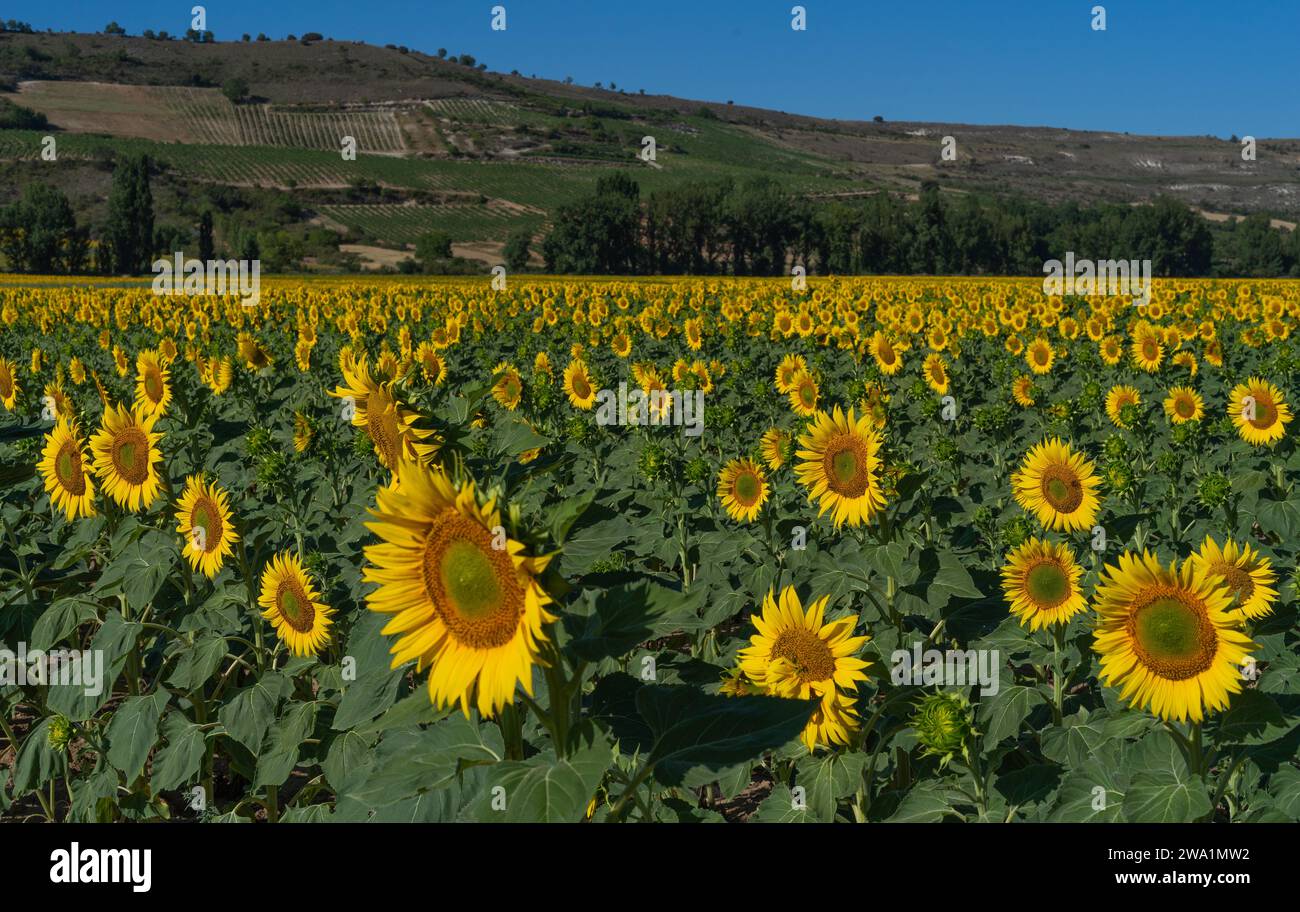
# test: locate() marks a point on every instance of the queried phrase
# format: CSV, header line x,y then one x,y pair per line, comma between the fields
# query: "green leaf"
x,y
134,731
59,620
1252,718
626,616
826,778
280,753
37,761
250,712
1093,791
928,802
198,663
1161,790
691,728
178,762
564,515
1001,716
542,789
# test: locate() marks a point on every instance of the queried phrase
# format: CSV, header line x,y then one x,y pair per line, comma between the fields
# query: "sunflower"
x,y
125,449
1166,637
1022,390
220,373
464,598
302,432
508,390
152,387
391,428
1184,404
804,394
63,465
840,465
1148,352
431,363
203,520
742,488
290,603
1117,399
1111,350
797,654
1041,583
936,373
1039,355
1248,575
773,447
787,370
887,358
1058,485
1257,409
577,385
8,383
621,345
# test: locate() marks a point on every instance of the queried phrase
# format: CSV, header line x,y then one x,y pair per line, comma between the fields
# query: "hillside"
x,y
479,154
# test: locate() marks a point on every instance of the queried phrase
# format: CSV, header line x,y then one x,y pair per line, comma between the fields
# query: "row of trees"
x,y
756,227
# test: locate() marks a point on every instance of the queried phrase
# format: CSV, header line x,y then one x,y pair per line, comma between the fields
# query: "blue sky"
x,y
1161,67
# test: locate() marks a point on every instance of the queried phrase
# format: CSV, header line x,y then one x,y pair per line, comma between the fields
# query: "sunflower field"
x,y
429,550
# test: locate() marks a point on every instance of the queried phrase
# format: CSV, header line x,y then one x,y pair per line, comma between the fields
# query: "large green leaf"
x,y
133,732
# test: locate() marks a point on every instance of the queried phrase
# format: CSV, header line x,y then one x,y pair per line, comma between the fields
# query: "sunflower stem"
x,y
1058,673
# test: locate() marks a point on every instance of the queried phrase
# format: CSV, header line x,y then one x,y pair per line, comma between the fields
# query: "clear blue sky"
x,y
1161,67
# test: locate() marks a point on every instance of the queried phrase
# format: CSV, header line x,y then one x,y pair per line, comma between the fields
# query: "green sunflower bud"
x,y
943,725
59,733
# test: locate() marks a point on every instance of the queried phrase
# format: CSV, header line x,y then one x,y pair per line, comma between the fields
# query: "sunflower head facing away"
x,y
1248,575
465,600
1167,639
1041,583
1257,409
797,654
1058,485
64,467
742,488
292,605
840,466
125,450
203,520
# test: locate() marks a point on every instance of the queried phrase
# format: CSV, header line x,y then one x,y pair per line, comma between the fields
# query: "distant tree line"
x,y
756,227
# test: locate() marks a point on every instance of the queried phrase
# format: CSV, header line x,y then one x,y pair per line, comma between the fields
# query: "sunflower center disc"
x,y
382,427
747,488
1185,408
1172,634
581,387
1265,413
67,466
807,394
807,652
1061,489
1047,584
845,464
130,455
471,584
153,386
1238,580
205,516
294,606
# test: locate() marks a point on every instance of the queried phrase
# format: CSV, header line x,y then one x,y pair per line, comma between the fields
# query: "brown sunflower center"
x,y
130,455
67,467
1047,584
1150,350
207,517
886,355
808,393
153,386
472,585
845,464
1062,489
1171,633
1265,412
382,428
581,388
807,652
1040,356
294,606
1185,407
747,488
1237,579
